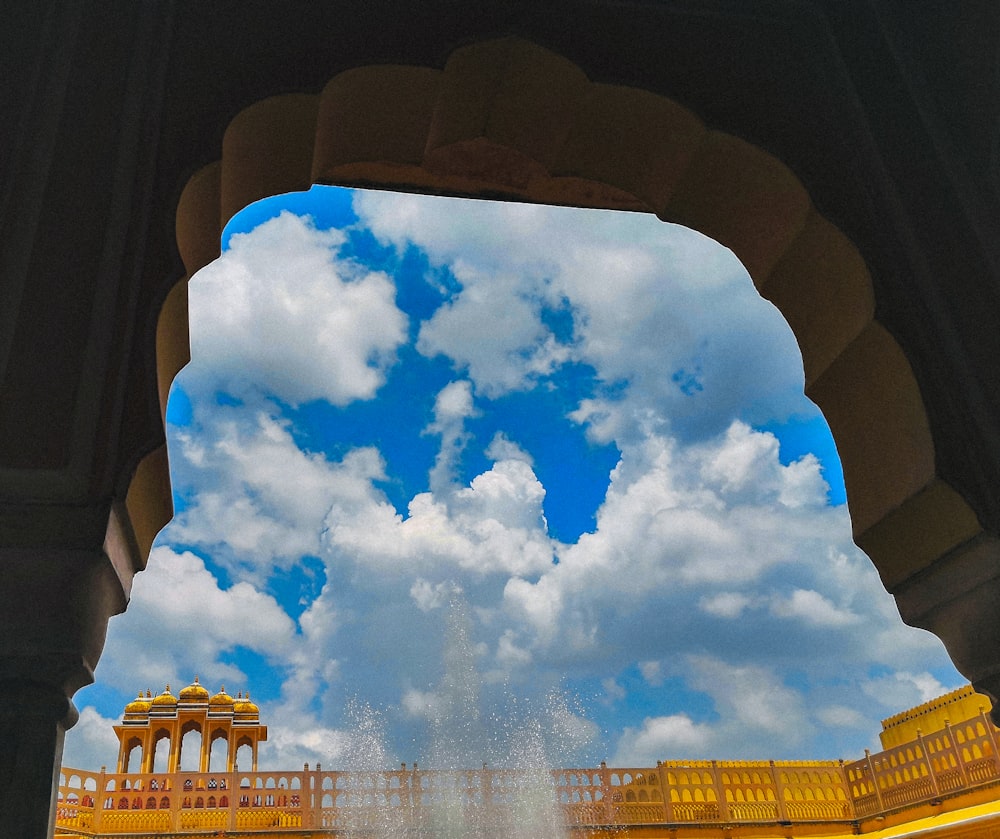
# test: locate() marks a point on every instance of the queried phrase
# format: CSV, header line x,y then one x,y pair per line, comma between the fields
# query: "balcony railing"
x,y
944,764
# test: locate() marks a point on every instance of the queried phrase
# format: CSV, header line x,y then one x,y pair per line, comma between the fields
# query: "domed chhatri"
x,y
140,705
165,698
221,700
244,708
194,692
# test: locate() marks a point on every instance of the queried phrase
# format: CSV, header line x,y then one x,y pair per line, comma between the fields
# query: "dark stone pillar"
x,y
33,721
55,606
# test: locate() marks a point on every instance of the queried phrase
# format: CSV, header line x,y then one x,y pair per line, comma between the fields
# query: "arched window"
x,y
244,755
161,751
133,759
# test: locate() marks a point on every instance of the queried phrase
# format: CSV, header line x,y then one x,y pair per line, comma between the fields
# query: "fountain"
x,y
513,797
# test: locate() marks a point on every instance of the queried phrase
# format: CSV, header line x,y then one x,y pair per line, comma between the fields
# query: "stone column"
x,y
55,605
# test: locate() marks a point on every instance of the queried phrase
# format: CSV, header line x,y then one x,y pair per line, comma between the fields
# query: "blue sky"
x,y
581,432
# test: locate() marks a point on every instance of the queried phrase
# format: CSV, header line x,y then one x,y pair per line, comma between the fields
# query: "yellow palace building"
x,y
937,777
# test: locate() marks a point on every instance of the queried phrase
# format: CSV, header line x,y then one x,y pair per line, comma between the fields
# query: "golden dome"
x,y
140,705
221,698
194,692
165,698
244,707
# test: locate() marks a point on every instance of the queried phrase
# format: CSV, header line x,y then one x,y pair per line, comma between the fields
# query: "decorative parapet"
x,y
671,794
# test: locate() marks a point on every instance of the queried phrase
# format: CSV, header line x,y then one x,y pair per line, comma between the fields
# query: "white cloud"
x,y
812,607
652,672
752,697
613,692
652,304
662,738
714,571
430,596
300,740
281,300
493,526
92,742
509,655
262,500
904,689
512,346
725,604
452,407
840,716
503,448
180,619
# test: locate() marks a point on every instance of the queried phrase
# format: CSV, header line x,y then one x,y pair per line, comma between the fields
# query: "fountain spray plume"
x,y
515,799
511,796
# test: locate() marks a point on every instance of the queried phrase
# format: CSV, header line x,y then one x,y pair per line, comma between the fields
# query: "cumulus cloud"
x,y
652,672
494,525
666,310
757,713
452,407
92,743
662,738
181,621
512,347
280,299
430,596
904,689
725,604
715,574
262,501
811,607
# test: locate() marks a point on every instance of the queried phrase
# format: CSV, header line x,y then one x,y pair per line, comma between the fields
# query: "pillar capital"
x,y
56,604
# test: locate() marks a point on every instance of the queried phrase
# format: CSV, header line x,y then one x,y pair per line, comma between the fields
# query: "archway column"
x,y
56,604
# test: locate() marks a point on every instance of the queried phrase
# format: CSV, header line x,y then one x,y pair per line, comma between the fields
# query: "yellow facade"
x,y
934,716
943,781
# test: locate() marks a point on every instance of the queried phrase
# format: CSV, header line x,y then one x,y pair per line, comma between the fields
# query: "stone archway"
x,y
886,112
508,119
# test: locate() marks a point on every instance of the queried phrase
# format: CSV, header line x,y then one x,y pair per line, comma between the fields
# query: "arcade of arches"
x,y
149,721
848,152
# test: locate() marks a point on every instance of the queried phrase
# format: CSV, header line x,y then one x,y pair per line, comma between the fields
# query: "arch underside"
x,y
510,120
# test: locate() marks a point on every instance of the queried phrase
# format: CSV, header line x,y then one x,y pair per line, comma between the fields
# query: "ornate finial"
x,y
149,693
196,679
222,689
167,690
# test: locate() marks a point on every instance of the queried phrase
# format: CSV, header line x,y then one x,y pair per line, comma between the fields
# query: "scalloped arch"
x,y
507,119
